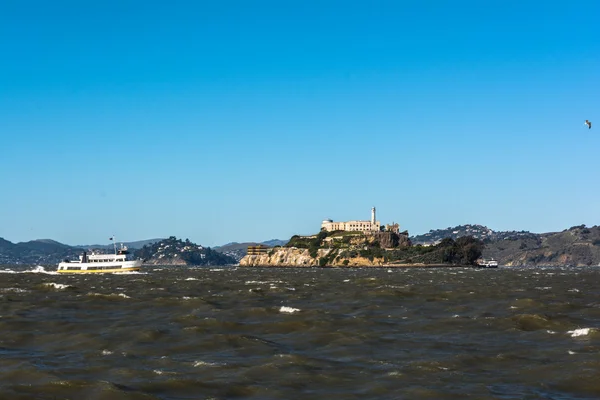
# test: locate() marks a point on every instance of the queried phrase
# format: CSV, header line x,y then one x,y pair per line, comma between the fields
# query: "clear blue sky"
x,y
225,121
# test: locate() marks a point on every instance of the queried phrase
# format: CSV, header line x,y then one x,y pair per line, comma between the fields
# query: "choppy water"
x,y
224,333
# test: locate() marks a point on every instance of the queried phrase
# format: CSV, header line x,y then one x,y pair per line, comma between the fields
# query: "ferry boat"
x,y
491,263
100,263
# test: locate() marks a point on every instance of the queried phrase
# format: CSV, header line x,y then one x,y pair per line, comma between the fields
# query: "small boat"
x,y
483,263
100,263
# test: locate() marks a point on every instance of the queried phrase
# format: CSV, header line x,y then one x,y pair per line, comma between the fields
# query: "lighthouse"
x,y
373,219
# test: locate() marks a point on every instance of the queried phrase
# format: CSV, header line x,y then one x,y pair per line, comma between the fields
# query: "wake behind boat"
x,y
96,262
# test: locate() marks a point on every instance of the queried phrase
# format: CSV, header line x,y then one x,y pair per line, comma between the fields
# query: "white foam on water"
x,y
201,363
13,290
158,372
37,270
216,269
191,279
574,290
346,280
288,310
571,352
58,286
106,352
550,332
41,270
580,332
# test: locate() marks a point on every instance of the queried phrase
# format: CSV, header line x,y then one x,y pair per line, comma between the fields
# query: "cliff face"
x,y
294,257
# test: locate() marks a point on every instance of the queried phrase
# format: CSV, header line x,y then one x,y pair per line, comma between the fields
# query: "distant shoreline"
x,y
362,266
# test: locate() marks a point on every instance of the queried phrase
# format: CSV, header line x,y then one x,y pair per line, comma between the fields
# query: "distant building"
x,y
257,250
359,226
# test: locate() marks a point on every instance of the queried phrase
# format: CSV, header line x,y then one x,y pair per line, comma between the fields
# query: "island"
x,y
364,244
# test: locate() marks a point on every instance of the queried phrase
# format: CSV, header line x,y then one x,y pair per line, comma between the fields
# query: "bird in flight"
x,y
588,123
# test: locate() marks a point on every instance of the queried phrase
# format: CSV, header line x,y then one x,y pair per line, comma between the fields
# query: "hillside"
x,y
41,251
576,246
477,231
130,245
239,250
343,248
173,251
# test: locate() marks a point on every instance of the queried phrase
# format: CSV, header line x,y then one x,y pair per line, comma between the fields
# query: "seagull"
x,y
588,123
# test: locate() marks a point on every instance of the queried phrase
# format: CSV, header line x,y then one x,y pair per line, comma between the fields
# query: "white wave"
x,y
106,352
288,310
550,332
191,279
94,294
580,332
571,352
201,363
574,290
37,270
13,290
216,269
59,286
41,270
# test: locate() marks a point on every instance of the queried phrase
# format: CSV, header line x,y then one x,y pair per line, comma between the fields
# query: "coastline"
x,y
416,265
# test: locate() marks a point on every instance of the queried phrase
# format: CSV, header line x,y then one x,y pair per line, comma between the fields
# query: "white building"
x,y
361,226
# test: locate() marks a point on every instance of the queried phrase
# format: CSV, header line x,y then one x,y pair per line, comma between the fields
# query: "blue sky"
x,y
242,121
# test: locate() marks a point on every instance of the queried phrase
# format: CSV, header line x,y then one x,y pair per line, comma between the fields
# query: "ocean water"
x,y
268,333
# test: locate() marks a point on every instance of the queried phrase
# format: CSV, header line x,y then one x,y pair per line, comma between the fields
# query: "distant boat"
x,y
483,263
100,263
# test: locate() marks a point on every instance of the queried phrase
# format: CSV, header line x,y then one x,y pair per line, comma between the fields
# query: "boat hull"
x,y
99,268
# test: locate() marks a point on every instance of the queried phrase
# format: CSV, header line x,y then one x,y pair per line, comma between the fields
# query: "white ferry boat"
x,y
97,262
491,263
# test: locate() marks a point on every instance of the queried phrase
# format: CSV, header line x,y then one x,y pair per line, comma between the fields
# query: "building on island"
x,y
358,226
257,250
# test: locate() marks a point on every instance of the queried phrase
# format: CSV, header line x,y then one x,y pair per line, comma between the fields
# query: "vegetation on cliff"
x,y
386,248
177,251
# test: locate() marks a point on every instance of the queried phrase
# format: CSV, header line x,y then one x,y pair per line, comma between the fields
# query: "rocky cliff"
x,y
354,249
294,257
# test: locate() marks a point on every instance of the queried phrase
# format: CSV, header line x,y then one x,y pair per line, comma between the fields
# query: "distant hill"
x,y
239,250
477,231
576,246
41,251
173,251
275,242
131,245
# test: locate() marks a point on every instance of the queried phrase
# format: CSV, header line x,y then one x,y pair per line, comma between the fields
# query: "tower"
x,y
373,219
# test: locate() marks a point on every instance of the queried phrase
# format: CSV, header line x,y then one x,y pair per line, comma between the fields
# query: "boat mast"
x,y
114,244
